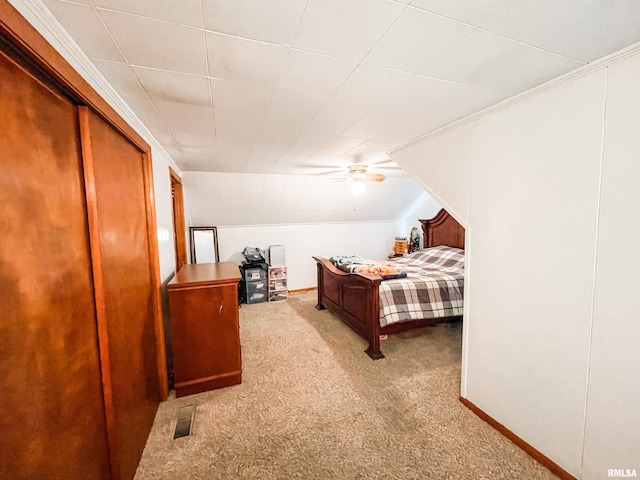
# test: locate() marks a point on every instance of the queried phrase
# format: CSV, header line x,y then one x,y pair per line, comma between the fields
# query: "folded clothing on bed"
x,y
355,264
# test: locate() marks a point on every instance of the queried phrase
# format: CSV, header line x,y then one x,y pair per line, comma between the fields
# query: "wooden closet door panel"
x,y
127,290
52,421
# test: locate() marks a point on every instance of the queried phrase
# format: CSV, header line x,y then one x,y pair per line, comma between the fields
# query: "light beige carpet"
x,y
312,405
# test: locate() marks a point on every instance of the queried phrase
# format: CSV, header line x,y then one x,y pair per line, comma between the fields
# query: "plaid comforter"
x,y
433,287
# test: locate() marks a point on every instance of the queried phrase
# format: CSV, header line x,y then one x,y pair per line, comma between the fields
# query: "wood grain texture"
x,y
52,422
28,40
127,290
355,297
37,56
179,228
205,327
155,276
442,229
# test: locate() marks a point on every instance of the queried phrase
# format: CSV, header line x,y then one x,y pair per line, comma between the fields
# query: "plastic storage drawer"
x,y
253,274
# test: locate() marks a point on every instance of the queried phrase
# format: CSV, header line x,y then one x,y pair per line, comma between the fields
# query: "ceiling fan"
x,y
359,174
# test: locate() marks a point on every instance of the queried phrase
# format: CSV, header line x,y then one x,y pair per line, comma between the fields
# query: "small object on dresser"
x,y
414,240
400,247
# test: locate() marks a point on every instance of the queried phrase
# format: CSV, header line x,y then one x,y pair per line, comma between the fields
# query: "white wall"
x,y
551,333
303,241
164,213
425,208
612,433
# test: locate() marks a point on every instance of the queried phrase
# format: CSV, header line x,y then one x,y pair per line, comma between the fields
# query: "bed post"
x,y
319,305
374,349
374,324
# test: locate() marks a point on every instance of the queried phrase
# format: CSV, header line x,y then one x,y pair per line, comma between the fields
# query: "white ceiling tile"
x,y
86,28
193,140
193,159
415,40
241,124
442,100
379,118
156,44
382,142
81,2
580,30
288,114
298,151
241,96
191,125
174,87
121,76
275,21
147,113
237,59
310,72
337,115
371,83
236,133
345,29
230,162
473,12
184,12
334,153
415,123
497,63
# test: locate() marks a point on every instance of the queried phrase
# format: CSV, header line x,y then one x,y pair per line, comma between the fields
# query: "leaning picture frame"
x,y
204,244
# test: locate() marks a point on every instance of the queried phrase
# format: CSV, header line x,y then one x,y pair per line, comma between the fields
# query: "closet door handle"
x,y
221,305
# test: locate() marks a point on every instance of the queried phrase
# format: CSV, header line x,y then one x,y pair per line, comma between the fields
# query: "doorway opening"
x,y
179,230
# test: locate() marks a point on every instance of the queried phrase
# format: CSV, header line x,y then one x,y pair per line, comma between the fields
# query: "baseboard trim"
x,y
531,451
303,290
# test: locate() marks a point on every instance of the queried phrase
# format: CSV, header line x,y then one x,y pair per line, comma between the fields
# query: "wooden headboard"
x,y
442,229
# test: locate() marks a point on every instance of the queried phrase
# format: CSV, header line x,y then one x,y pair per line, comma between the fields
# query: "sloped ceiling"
x,y
307,87
276,199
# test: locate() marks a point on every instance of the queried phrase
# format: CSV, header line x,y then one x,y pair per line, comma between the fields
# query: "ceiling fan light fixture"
x,y
357,187
359,172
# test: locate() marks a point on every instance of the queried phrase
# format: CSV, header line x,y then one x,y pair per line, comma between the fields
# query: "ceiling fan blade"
x,y
375,177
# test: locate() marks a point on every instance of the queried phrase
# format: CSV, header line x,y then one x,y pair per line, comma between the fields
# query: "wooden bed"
x,y
355,299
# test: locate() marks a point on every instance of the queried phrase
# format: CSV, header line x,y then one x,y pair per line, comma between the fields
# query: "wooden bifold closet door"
x,y
81,344
52,422
115,182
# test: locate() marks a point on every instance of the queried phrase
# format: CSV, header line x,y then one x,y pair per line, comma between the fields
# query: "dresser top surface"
x,y
205,274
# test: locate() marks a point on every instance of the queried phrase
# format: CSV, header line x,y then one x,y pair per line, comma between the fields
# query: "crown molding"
x,y
39,16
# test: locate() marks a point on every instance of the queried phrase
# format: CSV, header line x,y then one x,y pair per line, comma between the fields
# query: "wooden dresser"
x,y
205,330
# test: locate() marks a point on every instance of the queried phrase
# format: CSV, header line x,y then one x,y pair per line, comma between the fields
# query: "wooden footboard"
x,y
353,297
